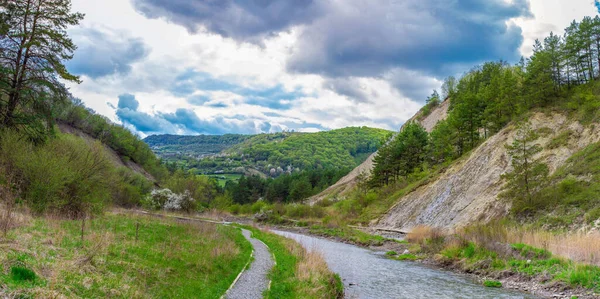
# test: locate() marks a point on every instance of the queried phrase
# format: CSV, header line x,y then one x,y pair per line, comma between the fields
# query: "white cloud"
x,y
173,50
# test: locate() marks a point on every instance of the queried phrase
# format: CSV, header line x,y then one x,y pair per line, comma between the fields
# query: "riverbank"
x,y
297,273
515,267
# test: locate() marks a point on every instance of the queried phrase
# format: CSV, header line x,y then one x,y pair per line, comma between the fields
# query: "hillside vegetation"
x,y
271,154
506,185
64,168
180,147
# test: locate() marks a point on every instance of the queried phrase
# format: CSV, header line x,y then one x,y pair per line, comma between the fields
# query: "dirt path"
x,y
253,281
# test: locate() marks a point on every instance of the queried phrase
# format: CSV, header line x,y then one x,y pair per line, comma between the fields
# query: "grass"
x,y
19,274
348,234
222,179
407,257
561,140
298,273
491,249
492,284
570,199
122,256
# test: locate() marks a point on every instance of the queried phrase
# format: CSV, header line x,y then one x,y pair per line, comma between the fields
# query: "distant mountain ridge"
x,y
270,154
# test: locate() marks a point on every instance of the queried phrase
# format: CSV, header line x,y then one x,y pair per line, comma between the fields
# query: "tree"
x,y
440,143
529,175
449,87
433,99
300,189
34,47
539,76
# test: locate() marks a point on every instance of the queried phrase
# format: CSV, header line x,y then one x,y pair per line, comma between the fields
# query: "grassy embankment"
x,y
500,250
122,256
298,273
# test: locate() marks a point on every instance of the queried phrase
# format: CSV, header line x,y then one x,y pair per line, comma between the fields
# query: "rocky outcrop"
x,y
468,190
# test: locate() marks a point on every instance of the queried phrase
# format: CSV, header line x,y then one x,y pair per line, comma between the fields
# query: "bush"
x,y
170,201
235,209
65,175
258,206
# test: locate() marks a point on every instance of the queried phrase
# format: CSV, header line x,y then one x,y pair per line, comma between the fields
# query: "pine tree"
x,y
35,46
529,175
440,148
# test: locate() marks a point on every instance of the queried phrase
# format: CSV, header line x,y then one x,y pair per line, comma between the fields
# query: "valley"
x,y
241,152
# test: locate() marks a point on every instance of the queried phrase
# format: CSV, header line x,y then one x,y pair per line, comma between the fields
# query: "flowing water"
x,y
369,274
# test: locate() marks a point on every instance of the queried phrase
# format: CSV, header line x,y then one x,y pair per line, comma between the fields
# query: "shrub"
x,y
258,206
235,209
221,202
65,175
167,200
593,215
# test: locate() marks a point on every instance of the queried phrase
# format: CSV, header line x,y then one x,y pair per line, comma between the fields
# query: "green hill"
x,y
173,147
270,154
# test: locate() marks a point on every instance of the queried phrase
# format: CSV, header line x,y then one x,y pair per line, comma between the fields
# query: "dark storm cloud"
x,y
103,53
360,38
357,38
239,19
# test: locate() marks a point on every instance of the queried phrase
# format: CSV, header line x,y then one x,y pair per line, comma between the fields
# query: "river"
x,y
369,274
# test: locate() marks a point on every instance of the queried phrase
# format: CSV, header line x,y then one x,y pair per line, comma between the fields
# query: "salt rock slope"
x,y
468,191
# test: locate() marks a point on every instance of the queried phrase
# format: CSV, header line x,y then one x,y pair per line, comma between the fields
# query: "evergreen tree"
x,y
35,46
529,175
440,147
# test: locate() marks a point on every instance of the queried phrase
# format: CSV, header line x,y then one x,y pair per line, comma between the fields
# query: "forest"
x,y
272,154
561,74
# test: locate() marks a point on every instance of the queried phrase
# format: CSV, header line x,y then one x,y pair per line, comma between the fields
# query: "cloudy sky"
x,y
251,66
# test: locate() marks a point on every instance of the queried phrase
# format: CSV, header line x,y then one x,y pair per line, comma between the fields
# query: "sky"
x,y
260,66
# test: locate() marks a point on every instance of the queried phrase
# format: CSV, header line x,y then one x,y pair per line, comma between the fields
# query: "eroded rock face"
x,y
468,191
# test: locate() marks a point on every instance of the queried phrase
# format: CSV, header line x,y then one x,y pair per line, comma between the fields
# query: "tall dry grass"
x,y
582,247
579,247
421,233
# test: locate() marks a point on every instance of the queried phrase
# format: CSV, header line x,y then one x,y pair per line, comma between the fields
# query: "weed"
x,y
20,273
492,284
561,140
407,257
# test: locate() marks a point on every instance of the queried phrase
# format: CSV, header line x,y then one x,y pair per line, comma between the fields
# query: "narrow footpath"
x,y
253,281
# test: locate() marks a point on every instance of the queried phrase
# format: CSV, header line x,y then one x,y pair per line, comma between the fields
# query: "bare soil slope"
x,y
468,190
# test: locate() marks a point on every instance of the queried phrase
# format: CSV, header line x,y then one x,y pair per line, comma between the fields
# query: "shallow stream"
x,y
369,274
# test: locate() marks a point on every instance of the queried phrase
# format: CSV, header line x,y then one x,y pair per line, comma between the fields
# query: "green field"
x,y
121,256
222,179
